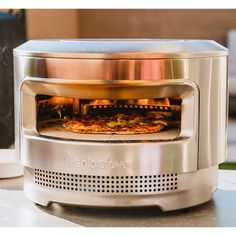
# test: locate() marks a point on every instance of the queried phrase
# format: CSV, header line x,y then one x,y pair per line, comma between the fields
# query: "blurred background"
x,y
212,24
218,25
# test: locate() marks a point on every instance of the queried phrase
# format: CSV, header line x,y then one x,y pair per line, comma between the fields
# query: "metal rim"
x,y
140,55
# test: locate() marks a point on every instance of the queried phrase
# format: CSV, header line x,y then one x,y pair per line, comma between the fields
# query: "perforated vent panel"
x,y
106,184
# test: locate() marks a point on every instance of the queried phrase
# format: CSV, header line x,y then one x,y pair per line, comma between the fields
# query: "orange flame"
x,y
155,102
101,102
60,100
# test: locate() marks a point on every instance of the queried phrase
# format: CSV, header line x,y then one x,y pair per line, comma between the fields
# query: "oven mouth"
x,y
127,120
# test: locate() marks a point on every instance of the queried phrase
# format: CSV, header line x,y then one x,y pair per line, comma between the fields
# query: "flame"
x,y
60,100
156,102
101,102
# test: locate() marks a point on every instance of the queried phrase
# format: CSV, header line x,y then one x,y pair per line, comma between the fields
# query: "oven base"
x,y
194,188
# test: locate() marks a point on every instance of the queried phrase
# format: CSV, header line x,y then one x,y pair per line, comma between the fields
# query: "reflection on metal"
x,y
194,71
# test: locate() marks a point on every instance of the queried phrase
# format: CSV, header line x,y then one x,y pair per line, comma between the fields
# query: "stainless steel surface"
x,y
194,70
121,48
209,74
193,188
17,210
135,155
128,158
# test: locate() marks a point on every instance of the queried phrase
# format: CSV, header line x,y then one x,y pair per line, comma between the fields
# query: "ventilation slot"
x,y
106,184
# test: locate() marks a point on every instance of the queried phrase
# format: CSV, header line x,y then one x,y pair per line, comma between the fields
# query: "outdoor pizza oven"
x,y
121,123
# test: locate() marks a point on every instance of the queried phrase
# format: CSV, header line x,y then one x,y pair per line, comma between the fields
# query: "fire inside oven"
x,y
109,120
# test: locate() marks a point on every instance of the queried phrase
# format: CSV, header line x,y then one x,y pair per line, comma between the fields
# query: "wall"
x,y
52,24
209,24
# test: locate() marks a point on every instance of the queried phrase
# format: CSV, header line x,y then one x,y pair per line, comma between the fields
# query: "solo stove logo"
x,y
94,50
76,163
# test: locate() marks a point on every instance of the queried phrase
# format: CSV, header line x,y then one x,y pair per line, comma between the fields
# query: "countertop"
x,y
17,210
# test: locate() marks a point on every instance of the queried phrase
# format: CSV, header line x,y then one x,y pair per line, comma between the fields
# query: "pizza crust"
x,y
116,124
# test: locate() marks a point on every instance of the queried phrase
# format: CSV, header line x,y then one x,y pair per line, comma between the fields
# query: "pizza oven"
x,y
121,123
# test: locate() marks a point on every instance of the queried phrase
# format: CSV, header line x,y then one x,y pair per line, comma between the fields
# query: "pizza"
x,y
152,122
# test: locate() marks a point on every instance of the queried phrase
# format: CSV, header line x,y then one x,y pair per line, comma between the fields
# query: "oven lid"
x,y
121,48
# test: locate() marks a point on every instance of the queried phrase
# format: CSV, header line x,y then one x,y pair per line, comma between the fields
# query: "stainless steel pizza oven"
x,y
120,123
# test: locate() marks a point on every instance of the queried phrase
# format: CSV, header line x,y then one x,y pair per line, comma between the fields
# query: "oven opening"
x,y
157,119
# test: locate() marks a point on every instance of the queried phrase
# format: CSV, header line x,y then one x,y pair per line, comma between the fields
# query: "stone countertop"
x,y
17,210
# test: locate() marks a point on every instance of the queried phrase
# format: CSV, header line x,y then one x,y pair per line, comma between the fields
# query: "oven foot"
x,y
41,202
187,200
170,202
